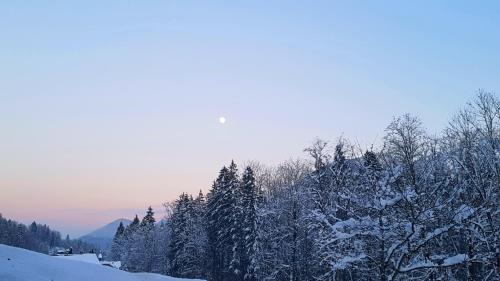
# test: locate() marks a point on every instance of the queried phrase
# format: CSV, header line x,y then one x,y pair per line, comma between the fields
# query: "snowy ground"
x,y
22,265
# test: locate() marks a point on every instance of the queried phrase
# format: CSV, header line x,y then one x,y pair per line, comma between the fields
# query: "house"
x,y
88,258
59,251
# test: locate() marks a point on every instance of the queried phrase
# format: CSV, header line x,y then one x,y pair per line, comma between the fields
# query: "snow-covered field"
x,y
22,265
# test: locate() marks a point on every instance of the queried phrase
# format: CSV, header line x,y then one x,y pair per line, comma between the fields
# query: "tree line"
x,y
421,207
142,245
37,237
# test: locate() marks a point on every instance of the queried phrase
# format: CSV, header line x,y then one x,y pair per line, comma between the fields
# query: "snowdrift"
x,y
22,265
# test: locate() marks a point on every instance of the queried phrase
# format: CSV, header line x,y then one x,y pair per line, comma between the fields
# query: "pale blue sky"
x,y
109,106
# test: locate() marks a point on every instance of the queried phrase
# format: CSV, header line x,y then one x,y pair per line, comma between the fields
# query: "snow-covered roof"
x,y
89,258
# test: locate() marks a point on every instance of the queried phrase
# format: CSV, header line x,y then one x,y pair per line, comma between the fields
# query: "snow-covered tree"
x,y
420,208
187,248
147,231
117,246
283,247
249,231
221,205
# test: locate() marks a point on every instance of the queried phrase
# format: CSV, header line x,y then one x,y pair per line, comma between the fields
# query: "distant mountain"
x,y
103,237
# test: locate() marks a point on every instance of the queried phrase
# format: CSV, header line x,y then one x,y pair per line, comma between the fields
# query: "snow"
x,y
115,264
346,261
22,265
457,259
450,261
389,202
90,258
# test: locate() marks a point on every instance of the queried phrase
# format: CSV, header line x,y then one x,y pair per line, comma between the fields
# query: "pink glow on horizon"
x,y
77,222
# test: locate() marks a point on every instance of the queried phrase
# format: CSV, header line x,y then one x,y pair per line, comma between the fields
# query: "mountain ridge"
x,y
103,236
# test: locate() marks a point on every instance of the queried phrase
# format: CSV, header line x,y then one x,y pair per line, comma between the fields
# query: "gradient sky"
x,y
107,107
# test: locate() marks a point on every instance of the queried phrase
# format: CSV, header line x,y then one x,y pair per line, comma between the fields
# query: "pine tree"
x,y
129,256
188,238
178,225
238,262
221,213
148,220
118,243
249,232
199,235
147,230
33,228
139,243
161,244
214,218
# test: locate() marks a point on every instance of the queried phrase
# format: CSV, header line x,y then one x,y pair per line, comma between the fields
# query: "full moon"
x,y
222,120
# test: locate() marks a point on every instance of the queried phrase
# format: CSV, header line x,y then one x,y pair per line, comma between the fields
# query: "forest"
x,y
38,237
421,207
417,207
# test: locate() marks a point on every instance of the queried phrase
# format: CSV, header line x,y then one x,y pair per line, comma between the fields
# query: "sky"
x,y
107,107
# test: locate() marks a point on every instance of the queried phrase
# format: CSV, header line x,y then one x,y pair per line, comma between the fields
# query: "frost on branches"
x,y
420,207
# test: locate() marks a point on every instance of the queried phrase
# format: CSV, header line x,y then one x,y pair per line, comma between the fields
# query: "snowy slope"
x,y
103,236
22,265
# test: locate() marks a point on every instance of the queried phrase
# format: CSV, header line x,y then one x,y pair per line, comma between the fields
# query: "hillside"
x,y
22,265
36,237
103,236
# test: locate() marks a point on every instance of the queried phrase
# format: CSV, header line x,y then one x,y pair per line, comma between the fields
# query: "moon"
x,y
222,119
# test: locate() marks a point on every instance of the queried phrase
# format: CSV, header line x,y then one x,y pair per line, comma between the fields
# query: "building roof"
x,y
88,258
